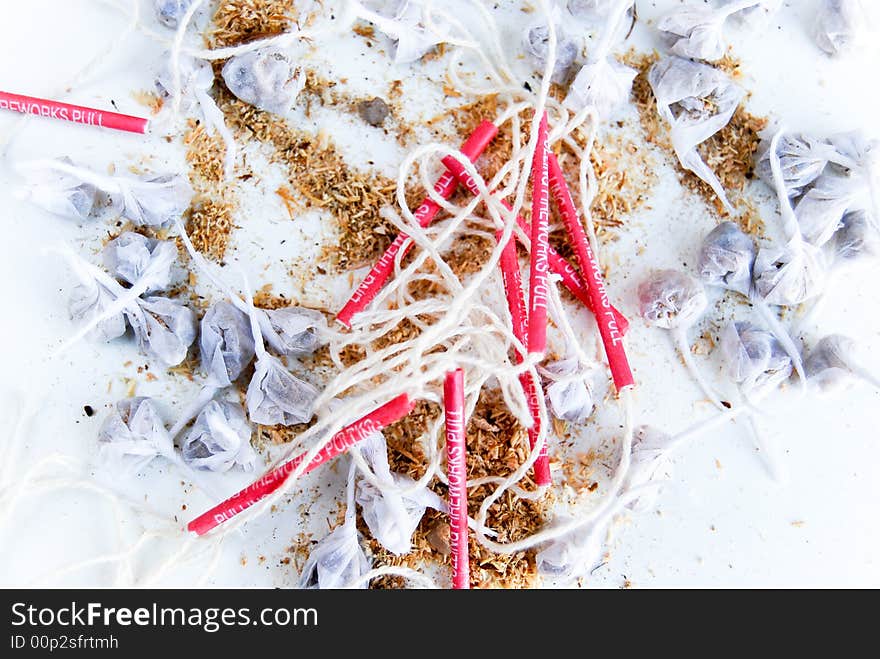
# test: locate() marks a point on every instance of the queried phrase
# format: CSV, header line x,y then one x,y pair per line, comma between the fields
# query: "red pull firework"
x,y
456,471
612,337
425,214
374,422
78,114
558,265
540,237
510,274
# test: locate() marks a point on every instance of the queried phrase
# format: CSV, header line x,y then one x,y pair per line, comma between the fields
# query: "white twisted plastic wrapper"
x,y
856,238
789,275
697,31
536,43
726,259
164,328
169,12
226,344
391,516
404,22
60,193
843,25
338,558
697,101
130,256
754,358
196,81
802,159
651,463
134,434
266,78
570,397
758,14
833,363
220,439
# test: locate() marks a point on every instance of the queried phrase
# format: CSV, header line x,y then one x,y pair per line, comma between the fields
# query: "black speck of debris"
x,y
89,410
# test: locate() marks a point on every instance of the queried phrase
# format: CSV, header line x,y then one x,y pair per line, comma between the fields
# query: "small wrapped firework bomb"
x,y
557,264
673,300
129,257
164,328
405,22
754,358
512,280
226,343
391,515
789,275
293,331
609,327
569,395
266,78
77,114
456,472
133,435
843,25
603,82
155,201
425,214
536,43
696,31
220,439
338,559
600,16
91,299
820,211
833,361
169,12
697,101
275,395
540,238
59,193
802,159
727,258
856,238
374,422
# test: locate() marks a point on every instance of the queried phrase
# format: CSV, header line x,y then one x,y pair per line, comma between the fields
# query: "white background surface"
x,y
723,522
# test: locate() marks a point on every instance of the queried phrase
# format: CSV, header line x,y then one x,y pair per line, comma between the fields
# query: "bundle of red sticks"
x,y
529,326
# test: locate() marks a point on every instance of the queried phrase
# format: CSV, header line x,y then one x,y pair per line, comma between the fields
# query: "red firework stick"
x,y
540,238
78,114
558,265
456,472
425,214
512,279
612,337
374,422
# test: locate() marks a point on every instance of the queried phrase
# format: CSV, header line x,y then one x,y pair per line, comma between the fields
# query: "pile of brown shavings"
x,y
210,221
497,446
320,175
241,21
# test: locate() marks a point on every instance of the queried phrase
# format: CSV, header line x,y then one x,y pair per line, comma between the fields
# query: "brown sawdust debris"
x,y
241,21
210,225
